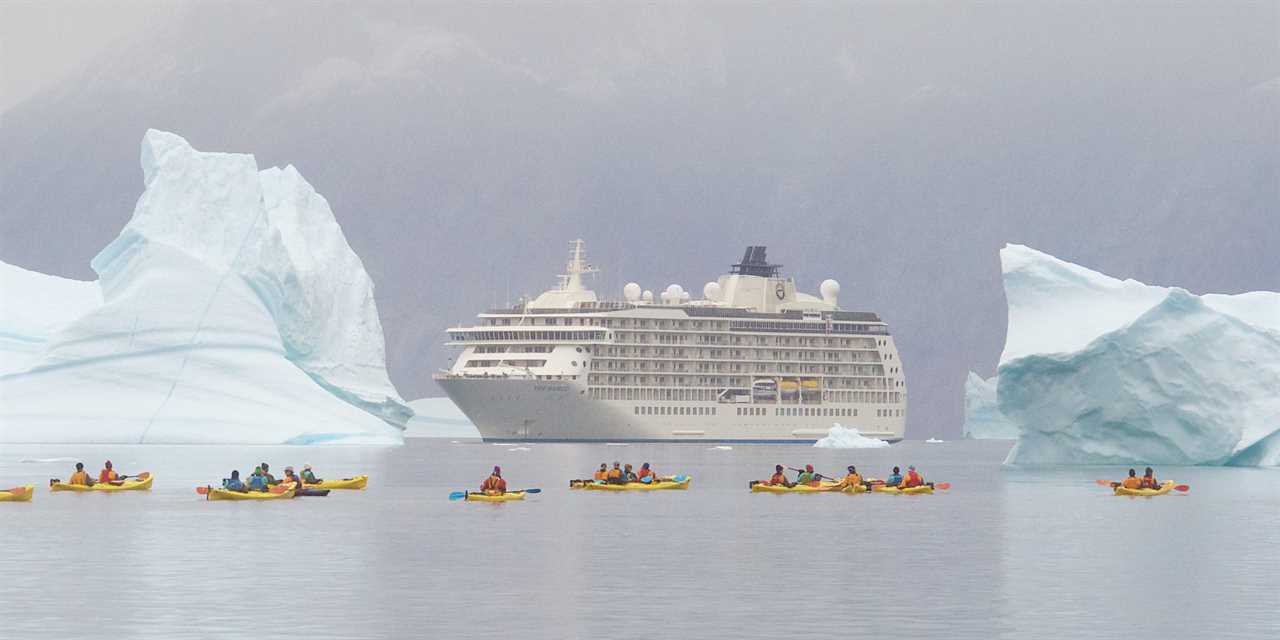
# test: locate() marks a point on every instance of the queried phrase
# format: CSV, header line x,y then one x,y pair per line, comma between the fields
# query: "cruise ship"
x,y
752,360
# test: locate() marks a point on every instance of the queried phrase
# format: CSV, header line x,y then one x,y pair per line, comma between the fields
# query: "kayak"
x,y
132,484
860,488
825,487
633,486
218,493
923,489
1165,487
357,482
308,492
506,497
17,494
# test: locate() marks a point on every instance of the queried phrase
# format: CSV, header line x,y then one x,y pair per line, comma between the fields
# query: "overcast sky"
x,y
892,146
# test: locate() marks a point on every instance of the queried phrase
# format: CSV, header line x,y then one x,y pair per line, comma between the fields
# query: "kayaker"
x,y
80,477
494,485
107,474
308,476
1149,480
258,480
233,483
894,479
806,476
615,474
646,472
266,471
913,479
290,477
628,475
1132,482
779,478
851,480
603,474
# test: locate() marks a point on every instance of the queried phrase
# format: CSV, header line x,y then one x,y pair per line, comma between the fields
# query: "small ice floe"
x,y
617,444
520,449
47,460
720,447
840,437
934,441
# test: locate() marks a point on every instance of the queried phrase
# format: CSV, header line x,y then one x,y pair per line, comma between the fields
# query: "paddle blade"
x,y
1104,483
680,478
143,476
457,495
280,488
1183,488
204,491
942,485
532,490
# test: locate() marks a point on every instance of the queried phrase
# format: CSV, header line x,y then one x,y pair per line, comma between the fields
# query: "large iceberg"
x,y
231,310
1099,371
982,417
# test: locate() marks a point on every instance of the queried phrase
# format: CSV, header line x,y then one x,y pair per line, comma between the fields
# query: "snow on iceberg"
x,y
841,437
34,307
1099,371
982,417
232,310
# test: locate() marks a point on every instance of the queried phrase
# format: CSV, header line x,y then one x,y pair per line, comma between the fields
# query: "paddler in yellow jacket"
x,y
850,480
1132,482
603,474
615,474
80,477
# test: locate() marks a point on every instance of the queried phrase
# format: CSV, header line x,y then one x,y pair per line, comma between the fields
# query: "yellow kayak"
x,y
923,489
824,487
859,488
665,485
357,482
506,497
17,494
132,484
1165,487
218,493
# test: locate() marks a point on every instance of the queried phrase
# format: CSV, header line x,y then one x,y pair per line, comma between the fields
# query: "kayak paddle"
x,y
942,485
204,491
1183,488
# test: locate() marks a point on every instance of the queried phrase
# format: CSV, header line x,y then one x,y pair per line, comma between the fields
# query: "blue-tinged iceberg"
x,y
231,310
982,417
1100,371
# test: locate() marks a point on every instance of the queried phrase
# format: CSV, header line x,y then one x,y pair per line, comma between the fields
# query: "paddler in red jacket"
x,y
912,479
494,485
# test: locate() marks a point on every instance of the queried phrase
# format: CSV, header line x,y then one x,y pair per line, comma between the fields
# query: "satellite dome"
x,y
711,291
631,292
647,296
830,290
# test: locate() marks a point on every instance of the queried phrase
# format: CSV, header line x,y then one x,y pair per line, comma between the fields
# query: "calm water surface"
x,y
1017,553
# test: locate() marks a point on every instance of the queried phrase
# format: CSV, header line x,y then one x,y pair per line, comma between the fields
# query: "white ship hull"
x,y
514,409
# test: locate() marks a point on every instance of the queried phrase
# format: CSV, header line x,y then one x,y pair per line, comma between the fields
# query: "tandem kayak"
x,y
823,487
357,482
218,493
141,483
17,494
923,489
1165,487
665,485
484,497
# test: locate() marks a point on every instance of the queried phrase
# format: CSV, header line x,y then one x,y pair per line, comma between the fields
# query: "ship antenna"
x,y
572,278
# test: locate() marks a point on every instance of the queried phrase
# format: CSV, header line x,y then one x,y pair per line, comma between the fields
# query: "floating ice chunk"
x,y
840,437
934,441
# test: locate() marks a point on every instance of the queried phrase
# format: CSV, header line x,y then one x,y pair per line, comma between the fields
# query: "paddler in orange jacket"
x,y
850,480
494,485
1132,482
107,474
615,474
779,478
603,474
912,479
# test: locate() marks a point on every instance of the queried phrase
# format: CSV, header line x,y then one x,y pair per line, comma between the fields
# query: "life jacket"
x,y
601,475
913,480
107,475
644,473
805,478
1149,482
614,474
494,484
778,479
309,477
258,483
1132,482
233,484
852,480
893,481
79,477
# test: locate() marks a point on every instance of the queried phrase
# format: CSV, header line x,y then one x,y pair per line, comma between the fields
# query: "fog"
x,y
894,148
